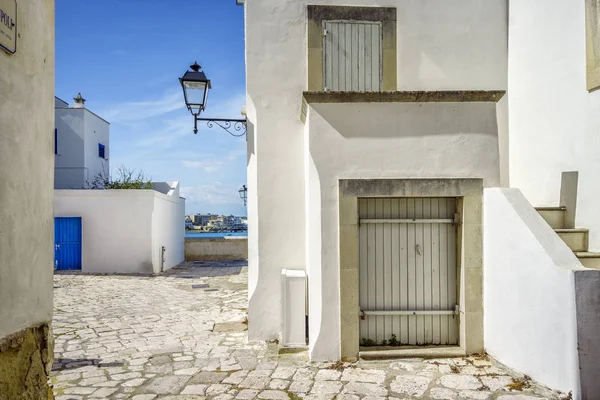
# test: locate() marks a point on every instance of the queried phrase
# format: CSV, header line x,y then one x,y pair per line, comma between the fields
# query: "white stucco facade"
x,y
554,120
293,167
79,132
123,231
413,140
535,319
26,113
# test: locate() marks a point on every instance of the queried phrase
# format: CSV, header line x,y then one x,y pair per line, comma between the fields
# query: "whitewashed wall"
x,y
533,320
69,162
97,131
441,45
554,121
168,227
345,141
122,230
26,173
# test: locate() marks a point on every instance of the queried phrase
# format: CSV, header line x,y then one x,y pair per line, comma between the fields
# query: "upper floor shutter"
x,y
352,56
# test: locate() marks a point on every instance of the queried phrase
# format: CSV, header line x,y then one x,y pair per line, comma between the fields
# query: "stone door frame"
x,y
469,194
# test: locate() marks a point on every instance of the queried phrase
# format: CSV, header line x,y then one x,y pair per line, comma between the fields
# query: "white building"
x,y
81,145
374,131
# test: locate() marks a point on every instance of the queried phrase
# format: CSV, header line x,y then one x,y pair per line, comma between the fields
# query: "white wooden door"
x,y
408,271
352,56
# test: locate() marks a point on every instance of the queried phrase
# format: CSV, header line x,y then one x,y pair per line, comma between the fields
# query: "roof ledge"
x,y
446,96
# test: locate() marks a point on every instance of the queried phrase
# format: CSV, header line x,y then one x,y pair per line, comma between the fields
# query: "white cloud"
x,y
131,112
211,163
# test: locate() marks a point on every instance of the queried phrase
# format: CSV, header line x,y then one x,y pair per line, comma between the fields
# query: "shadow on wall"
x,y
397,120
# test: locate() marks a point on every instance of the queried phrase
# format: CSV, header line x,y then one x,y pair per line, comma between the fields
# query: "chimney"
x,y
79,101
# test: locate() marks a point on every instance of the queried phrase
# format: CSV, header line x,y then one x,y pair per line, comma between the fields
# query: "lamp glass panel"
x,y
195,93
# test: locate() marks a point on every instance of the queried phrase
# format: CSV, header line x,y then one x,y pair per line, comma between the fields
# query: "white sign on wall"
x,y
8,25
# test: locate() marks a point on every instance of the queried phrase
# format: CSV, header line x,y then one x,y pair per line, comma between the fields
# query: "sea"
x,y
189,234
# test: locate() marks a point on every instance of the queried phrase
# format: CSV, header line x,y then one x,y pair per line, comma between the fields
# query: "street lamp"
x,y
244,193
195,87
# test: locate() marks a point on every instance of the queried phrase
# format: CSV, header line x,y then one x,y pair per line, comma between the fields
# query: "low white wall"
x,y
168,227
531,317
123,229
216,249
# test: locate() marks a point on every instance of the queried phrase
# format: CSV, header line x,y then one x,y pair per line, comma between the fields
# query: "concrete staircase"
x,y
576,239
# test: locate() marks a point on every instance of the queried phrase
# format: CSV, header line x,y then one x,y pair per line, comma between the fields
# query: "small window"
x,y
56,141
101,150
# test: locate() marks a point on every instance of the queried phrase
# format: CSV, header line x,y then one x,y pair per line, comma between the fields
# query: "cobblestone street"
x,y
171,337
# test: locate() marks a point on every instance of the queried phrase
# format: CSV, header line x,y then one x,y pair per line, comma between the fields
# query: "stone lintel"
x,y
445,96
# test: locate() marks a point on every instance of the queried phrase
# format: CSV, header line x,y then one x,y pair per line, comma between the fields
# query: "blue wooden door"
x,y
67,243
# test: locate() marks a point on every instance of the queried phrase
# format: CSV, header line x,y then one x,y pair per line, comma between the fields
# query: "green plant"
x,y
127,179
393,340
384,342
367,342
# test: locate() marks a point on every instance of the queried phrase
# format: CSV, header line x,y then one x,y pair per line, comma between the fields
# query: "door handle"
x,y
56,246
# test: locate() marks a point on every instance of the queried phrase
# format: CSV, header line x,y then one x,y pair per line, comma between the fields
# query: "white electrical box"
x,y
293,293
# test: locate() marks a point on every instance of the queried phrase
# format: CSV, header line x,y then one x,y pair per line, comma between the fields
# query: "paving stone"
x,y
68,377
463,382
166,384
255,382
187,371
224,396
261,372
442,394
518,397
103,393
328,375
92,381
411,385
304,374
273,395
279,384
300,386
283,373
80,390
360,375
365,389
134,382
403,366
267,365
209,377
247,394
195,389
347,397
326,387
232,367
129,375
107,384
217,388
496,382
144,397
474,395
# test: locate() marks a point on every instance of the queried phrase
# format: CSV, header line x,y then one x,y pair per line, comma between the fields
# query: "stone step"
x,y
589,260
576,239
554,216
387,353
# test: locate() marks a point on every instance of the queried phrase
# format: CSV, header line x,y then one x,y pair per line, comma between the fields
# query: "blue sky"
x,y
125,56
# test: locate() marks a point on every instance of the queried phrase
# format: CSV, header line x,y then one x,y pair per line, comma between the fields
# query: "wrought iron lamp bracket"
x,y
235,127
